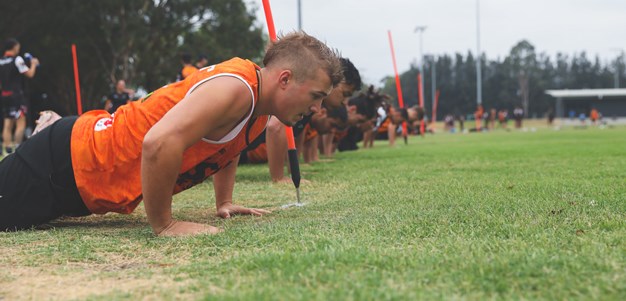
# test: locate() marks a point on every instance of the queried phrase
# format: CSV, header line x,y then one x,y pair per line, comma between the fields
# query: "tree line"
x,y
520,79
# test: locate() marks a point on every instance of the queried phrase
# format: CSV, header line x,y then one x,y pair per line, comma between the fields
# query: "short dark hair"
x,y
10,43
420,113
404,113
203,57
363,106
340,113
186,58
351,74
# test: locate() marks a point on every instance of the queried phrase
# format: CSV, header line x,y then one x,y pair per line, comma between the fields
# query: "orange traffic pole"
x,y
398,86
79,103
291,142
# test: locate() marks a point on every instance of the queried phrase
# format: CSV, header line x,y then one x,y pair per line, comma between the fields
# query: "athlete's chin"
x,y
287,122
293,120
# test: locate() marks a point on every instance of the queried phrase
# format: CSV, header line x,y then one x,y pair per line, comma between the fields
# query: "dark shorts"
x,y
37,181
14,106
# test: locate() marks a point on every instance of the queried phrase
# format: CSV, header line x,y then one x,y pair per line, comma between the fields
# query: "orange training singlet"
x,y
382,129
309,132
187,70
258,155
106,149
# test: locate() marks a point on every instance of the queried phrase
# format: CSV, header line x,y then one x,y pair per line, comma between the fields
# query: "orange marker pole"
x,y
79,103
291,142
398,86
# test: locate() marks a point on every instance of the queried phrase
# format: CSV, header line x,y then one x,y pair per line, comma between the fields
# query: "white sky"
x,y
359,28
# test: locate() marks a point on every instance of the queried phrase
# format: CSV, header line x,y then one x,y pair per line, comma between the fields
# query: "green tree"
x,y
523,62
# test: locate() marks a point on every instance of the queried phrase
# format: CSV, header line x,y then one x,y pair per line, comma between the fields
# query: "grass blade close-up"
x,y
500,215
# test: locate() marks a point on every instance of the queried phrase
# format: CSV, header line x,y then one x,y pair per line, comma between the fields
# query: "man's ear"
x,y
351,109
284,77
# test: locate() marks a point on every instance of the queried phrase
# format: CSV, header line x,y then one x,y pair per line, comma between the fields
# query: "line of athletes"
x,y
179,135
344,120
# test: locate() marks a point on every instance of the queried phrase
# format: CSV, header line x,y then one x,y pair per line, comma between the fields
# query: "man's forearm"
x,y
159,169
31,72
224,183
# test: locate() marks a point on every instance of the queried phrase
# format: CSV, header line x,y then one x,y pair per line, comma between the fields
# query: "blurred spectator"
x,y
478,115
461,119
492,119
449,123
550,116
572,114
187,68
503,118
13,69
202,61
594,115
120,96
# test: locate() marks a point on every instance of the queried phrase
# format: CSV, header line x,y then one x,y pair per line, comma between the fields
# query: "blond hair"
x,y
301,52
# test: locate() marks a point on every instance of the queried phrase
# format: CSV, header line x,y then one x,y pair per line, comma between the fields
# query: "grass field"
x,y
502,215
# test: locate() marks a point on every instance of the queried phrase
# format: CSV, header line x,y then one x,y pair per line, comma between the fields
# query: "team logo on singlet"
x,y
103,123
208,69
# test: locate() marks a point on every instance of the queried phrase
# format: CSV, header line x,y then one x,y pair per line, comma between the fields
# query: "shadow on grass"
x,y
91,222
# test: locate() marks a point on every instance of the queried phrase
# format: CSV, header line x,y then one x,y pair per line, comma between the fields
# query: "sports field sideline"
x,y
506,215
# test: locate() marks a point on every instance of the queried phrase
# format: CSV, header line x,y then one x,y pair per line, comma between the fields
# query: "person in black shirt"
x,y
13,68
119,97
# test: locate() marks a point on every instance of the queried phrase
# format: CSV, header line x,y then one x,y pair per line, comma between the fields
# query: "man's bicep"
x,y
209,109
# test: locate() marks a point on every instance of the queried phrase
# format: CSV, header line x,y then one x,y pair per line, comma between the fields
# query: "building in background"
x,y
611,103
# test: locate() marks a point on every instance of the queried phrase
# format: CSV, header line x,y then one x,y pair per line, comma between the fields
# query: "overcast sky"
x,y
358,28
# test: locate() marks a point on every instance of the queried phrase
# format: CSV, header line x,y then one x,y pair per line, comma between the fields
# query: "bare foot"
x,y
179,228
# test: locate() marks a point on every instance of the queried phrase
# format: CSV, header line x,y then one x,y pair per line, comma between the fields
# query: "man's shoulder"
x,y
237,63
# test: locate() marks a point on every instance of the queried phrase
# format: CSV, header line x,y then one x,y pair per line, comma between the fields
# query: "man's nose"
x,y
316,107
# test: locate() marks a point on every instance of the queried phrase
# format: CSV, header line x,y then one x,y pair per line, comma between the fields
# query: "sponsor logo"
x,y
103,124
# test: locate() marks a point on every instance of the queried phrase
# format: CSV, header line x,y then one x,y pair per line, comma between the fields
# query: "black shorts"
x,y
14,106
37,181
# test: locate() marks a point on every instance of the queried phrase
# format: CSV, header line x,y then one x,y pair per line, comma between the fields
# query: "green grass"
x,y
503,215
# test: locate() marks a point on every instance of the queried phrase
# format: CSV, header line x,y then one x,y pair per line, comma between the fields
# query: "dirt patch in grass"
x,y
79,281
146,275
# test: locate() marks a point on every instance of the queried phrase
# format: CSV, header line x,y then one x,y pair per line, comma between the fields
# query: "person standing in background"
x,y
187,69
119,97
13,69
202,62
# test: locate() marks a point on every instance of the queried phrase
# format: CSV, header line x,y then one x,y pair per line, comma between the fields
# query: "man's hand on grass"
x,y
228,209
179,228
